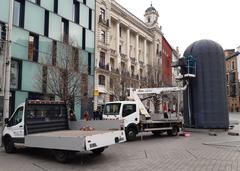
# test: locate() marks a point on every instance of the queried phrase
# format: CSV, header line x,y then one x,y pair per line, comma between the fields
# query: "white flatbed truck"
x,y
136,117
44,124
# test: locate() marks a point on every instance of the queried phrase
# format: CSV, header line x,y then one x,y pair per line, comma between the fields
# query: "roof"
x,y
151,9
233,55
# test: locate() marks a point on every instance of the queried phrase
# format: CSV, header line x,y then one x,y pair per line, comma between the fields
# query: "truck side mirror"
x,y
6,120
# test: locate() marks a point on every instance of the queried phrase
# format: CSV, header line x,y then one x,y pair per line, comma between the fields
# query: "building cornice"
x,y
121,11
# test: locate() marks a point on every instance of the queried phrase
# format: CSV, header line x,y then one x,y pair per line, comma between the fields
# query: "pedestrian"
x,y
72,116
86,116
165,111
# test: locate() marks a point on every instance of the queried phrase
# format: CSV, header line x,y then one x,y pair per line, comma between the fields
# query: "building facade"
x,y
42,29
128,51
233,78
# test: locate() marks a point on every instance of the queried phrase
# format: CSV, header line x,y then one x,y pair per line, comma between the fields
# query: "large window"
x,y
102,60
102,14
46,24
36,1
34,18
101,79
33,44
90,20
102,36
18,13
76,8
65,30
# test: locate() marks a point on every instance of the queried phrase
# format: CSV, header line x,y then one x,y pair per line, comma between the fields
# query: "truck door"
x,y
130,114
15,126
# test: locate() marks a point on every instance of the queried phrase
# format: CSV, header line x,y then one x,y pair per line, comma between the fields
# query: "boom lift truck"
x,y
136,117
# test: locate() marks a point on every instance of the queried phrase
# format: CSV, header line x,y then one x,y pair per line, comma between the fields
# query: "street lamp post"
x,y
7,67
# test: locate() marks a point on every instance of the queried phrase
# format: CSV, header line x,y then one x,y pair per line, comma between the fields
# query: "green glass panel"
x,y
31,77
48,4
75,33
20,43
83,58
20,97
84,15
77,110
45,50
65,9
89,41
93,21
90,85
34,18
55,26
91,4
4,9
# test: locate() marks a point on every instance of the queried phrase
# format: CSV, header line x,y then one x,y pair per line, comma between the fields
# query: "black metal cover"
x,y
205,100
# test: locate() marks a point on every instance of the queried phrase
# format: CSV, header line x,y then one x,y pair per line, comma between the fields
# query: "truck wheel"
x,y
131,134
98,150
9,145
173,132
61,156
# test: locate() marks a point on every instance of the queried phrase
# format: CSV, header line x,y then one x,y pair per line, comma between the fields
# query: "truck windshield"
x,y
112,109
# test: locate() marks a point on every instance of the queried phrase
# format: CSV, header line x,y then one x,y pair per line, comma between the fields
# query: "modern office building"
x,y
44,30
128,51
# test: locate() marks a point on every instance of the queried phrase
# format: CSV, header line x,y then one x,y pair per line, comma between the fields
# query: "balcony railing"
x,y
115,71
103,66
133,60
103,21
113,52
124,56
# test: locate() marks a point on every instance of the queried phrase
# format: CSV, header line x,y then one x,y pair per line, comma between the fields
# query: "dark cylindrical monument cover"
x,y
205,100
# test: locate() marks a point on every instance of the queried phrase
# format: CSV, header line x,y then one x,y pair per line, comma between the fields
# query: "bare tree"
x,y
65,75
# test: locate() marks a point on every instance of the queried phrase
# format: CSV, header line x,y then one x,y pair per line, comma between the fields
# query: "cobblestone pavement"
x,y
197,152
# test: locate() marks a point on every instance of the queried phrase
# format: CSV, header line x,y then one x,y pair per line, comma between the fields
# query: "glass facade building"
x,y
41,27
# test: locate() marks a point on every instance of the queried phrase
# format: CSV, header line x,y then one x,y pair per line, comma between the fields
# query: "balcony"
x,y
104,67
133,60
115,71
113,52
103,21
141,64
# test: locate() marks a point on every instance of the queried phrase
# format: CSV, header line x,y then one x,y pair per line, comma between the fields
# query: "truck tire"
x,y
173,132
98,151
9,145
131,134
62,156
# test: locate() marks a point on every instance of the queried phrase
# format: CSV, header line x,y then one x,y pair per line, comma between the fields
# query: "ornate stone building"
x,y
233,77
128,51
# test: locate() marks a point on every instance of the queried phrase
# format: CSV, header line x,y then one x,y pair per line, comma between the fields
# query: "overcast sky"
x,y
186,21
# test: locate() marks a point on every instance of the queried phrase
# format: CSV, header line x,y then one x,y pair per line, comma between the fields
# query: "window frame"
x,y
129,113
